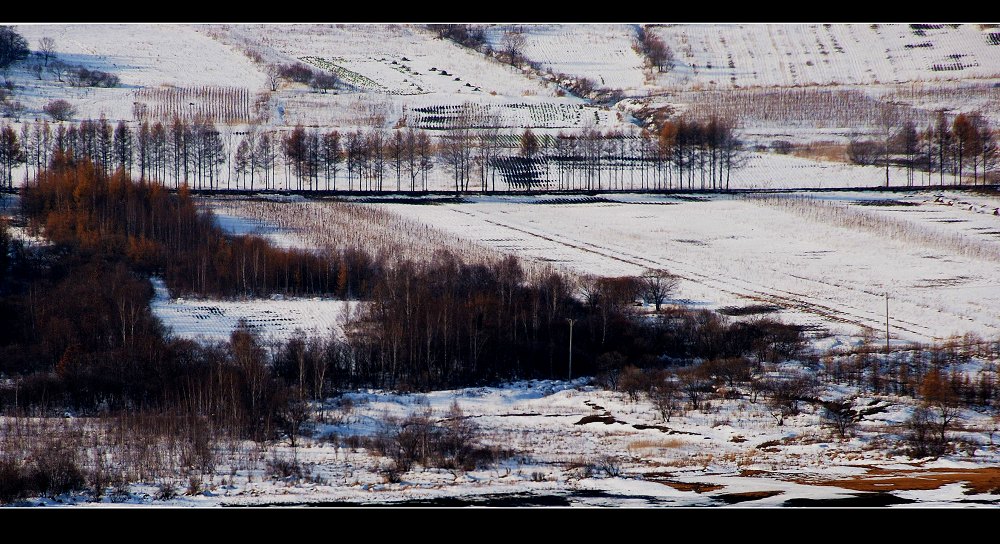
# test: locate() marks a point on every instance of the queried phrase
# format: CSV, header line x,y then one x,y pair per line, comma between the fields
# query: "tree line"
x,y
76,204
966,142
682,154
78,330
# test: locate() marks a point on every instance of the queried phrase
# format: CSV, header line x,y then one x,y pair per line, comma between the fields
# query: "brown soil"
x,y
733,498
662,429
665,479
978,480
607,420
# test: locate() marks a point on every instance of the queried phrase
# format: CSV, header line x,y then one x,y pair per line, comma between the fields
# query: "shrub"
x,y
166,491
194,485
863,152
59,109
13,483
782,147
610,467
83,77
284,469
297,72
450,443
922,437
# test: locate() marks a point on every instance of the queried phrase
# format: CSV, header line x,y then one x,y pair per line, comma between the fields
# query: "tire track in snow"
x,y
726,284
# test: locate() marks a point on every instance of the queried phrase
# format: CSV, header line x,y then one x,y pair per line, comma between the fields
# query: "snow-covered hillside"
x,y
766,55
935,260
602,53
144,56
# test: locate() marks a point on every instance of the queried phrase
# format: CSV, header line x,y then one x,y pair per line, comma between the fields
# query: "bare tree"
x,y
13,47
910,146
786,392
394,150
840,417
665,394
332,156
512,44
273,74
965,135
47,48
267,157
59,69
241,161
13,109
657,285
529,144
940,398
488,145
425,152
11,154
889,119
456,151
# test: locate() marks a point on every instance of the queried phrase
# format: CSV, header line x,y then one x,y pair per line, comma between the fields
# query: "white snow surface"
x,y
734,252
276,318
142,55
600,52
703,458
785,55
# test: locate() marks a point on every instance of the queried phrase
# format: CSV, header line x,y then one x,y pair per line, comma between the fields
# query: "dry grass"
x,y
822,151
894,228
340,225
810,107
228,105
649,444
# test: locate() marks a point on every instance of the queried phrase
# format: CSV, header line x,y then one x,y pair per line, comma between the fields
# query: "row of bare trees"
x,y
684,154
949,146
367,157
658,54
192,151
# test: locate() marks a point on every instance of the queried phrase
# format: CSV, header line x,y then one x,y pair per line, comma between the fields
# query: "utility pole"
x,y
570,321
886,322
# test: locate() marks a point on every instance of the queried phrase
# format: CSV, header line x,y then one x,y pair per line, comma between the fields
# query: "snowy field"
x,y
827,260
773,55
735,252
602,53
276,319
143,56
392,71
572,444
398,75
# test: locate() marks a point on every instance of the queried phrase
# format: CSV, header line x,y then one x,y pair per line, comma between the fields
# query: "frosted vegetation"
x,y
500,265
